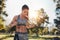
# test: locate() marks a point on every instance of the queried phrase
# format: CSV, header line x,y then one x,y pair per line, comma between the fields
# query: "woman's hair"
x,y
25,7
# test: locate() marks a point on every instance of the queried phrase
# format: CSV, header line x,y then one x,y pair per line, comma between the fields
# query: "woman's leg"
x,y
16,37
23,36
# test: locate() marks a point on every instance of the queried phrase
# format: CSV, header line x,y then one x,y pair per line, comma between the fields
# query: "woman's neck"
x,y
22,16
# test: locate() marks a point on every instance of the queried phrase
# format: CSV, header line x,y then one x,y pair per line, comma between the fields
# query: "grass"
x,y
42,37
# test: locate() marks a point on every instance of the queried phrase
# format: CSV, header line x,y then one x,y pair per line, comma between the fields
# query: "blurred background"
x,y
45,14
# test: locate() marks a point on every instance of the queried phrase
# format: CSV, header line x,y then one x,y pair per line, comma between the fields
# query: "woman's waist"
x,y
23,30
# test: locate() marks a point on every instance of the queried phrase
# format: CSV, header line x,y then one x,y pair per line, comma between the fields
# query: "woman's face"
x,y
25,12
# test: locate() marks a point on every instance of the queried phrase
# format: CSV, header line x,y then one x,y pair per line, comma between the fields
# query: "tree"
x,y
57,20
41,18
2,13
2,6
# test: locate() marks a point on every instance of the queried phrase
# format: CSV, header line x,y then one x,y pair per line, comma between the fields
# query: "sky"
x,y
13,7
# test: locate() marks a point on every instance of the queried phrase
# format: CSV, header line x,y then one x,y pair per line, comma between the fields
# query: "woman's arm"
x,y
13,22
29,25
